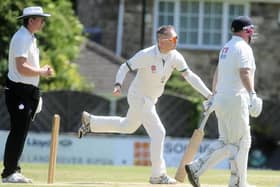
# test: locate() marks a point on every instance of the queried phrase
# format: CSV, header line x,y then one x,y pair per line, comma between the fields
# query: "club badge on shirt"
x,y
224,53
154,68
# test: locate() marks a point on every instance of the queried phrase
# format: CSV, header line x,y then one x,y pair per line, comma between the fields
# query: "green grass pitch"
x,y
130,176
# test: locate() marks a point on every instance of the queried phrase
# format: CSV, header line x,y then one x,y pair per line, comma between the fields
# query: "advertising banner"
x,y
101,149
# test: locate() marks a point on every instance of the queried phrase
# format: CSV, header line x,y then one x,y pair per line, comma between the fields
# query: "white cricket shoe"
x,y
164,179
85,127
16,178
246,185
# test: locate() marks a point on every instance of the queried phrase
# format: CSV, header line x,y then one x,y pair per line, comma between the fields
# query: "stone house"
x,y
126,26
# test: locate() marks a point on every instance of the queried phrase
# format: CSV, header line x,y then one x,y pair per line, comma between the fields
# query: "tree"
x,y
176,84
59,42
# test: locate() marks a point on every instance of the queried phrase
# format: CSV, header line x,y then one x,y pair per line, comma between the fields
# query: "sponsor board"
x,y
101,149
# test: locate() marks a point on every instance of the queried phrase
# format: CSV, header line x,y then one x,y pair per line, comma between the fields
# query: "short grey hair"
x,y
162,30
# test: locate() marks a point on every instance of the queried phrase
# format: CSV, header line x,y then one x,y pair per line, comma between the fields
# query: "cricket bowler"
x,y
154,66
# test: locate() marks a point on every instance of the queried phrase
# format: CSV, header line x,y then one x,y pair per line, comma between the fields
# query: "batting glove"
x,y
208,104
255,106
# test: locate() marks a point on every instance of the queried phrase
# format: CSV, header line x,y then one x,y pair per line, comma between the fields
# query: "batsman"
x,y
154,66
234,100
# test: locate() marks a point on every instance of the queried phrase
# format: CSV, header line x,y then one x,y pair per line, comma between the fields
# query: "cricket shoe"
x,y
245,186
194,180
16,178
85,127
163,179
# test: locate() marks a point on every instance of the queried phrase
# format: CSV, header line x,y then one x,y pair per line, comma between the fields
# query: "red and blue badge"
x,y
224,53
154,68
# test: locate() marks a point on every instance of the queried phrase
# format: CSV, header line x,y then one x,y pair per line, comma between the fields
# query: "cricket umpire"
x,y
234,100
22,94
154,66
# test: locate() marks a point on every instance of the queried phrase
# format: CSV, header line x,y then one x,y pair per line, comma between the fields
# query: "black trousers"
x,y
21,100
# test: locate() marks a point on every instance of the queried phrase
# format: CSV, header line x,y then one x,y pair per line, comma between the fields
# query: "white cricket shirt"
x,y
235,54
154,69
23,44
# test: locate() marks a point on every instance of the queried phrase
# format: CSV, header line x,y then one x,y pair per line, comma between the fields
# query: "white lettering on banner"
x,y
37,142
174,149
102,149
66,160
33,141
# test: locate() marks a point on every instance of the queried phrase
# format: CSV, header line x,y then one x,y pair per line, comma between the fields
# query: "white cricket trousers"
x,y
141,111
234,139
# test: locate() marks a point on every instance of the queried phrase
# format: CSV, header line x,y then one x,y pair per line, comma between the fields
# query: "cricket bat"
x,y
192,148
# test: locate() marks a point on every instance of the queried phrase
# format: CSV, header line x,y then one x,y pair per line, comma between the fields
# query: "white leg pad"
x,y
234,179
239,164
215,153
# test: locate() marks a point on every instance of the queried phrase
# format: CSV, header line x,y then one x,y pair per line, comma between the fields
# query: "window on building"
x,y
166,13
234,10
201,24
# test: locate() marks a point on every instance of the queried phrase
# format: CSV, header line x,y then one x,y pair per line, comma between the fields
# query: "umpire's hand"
x,y
117,90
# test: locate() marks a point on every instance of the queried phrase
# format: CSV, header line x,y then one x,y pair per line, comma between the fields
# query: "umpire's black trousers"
x,y
21,100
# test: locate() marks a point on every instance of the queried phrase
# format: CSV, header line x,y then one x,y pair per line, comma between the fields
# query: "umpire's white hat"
x,y
33,11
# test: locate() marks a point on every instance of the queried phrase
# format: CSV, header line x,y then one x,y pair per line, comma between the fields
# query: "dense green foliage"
x,y
59,42
177,84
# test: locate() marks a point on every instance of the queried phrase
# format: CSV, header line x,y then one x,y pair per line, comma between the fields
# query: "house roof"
x,y
99,66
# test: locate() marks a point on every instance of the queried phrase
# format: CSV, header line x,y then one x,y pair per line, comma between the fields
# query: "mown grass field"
x,y
123,176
